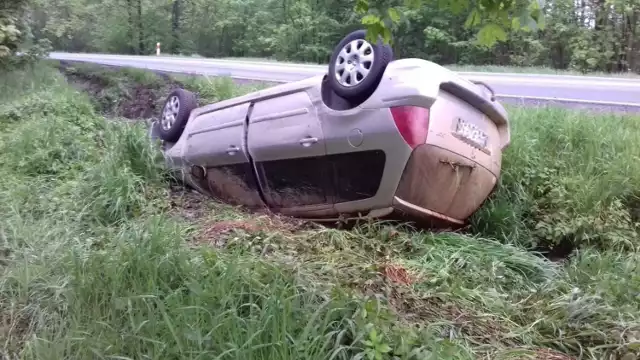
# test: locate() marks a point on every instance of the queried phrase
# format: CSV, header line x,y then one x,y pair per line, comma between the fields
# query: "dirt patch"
x,y
141,105
397,274
217,232
188,204
15,330
211,218
116,92
548,354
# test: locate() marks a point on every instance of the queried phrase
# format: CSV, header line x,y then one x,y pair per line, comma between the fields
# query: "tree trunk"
x,y
631,33
131,27
601,15
175,26
140,29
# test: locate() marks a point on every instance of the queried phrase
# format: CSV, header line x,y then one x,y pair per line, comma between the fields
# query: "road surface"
x,y
588,90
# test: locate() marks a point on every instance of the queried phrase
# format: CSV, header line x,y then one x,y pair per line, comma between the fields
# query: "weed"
x,y
569,177
212,89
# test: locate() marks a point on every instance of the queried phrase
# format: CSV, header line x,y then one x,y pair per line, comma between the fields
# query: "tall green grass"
x,y
94,265
95,262
213,89
569,177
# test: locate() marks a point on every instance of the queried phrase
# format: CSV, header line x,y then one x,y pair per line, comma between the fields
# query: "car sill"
x,y
373,214
417,210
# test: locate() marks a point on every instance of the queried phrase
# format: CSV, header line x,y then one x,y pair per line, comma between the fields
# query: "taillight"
x,y
413,123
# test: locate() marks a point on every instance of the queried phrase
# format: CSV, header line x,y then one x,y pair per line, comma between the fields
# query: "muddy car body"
x,y
408,137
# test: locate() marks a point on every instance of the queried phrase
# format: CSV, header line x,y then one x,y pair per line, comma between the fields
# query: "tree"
x,y
11,14
494,18
557,33
15,35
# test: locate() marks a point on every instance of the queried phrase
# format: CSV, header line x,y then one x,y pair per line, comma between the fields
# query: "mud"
x,y
141,105
217,233
231,189
114,94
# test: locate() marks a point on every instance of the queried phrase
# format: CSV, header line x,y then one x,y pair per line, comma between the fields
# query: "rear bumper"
x,y
442,184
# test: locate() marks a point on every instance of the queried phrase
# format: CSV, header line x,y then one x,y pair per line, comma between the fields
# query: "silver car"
x,y
373,137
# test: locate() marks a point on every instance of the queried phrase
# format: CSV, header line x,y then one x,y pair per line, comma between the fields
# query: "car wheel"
x,y
356,66
175,114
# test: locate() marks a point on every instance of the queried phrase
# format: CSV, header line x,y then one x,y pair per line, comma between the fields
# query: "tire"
x,y
175,114
344,53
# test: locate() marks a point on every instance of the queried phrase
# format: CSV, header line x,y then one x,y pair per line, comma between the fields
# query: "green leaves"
x,y
473,19
445,31
393,15
376,28
362,6
491,33
493,18
458,6
377,21
370,19
10,35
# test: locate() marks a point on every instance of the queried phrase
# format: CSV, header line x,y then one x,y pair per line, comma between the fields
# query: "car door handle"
x,y
232,150
308,141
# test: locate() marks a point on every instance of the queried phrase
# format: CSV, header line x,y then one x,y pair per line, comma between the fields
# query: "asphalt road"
x,y
582,90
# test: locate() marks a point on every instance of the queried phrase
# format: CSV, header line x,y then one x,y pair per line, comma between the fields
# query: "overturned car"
x,y
372,137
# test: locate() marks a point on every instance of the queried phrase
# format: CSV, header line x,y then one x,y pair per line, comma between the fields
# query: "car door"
x,y
287,146
217,152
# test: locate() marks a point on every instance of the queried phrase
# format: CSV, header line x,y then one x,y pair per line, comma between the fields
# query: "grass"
x,y
569,178
101,258
213,89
